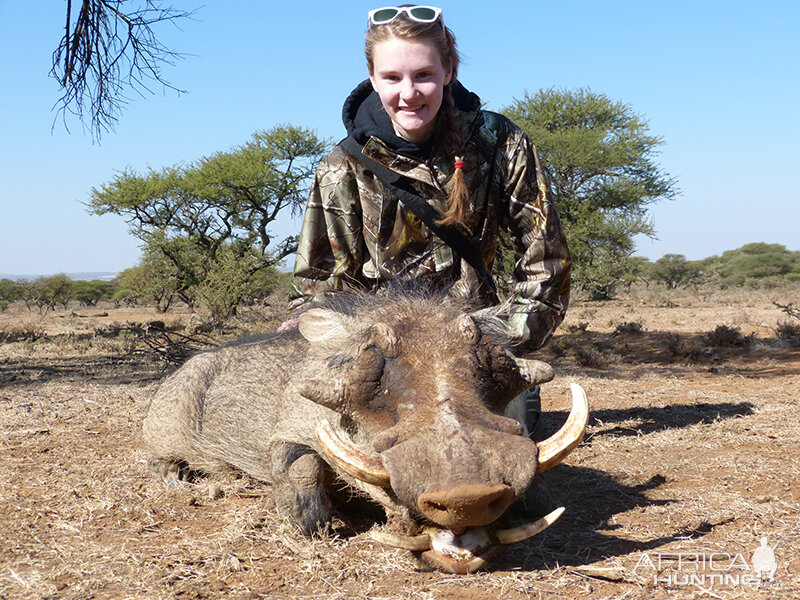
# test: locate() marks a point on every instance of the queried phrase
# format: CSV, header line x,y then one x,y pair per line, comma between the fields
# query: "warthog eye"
x,y
348,425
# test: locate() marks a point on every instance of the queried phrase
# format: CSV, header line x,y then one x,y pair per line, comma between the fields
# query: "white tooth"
x,y
462,547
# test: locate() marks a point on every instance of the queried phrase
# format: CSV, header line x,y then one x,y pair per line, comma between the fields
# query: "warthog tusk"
x,y
534,371
523,532
555,448
415,543
349,459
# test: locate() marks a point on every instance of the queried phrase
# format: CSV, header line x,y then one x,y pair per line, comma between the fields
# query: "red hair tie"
x,y
459,164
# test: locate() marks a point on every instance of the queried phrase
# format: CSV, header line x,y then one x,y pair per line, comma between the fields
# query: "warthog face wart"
x,y
401,398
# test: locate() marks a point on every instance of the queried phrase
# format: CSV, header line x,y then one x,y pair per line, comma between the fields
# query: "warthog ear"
x,y
491,324
468,328
324,327
385,338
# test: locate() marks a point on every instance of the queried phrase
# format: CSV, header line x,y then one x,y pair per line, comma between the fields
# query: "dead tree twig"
x,y
109,48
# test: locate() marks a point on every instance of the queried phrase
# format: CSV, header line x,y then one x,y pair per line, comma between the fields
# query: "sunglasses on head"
x,y
420,14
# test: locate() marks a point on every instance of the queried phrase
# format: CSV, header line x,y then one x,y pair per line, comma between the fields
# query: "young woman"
x,y
475,167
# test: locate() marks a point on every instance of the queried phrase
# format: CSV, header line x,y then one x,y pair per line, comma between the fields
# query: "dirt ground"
x,y
692,456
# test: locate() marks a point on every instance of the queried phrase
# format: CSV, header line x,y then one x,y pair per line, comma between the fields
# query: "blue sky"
x,y
717,80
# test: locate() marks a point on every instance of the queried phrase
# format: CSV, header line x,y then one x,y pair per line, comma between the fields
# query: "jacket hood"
x,y
364,116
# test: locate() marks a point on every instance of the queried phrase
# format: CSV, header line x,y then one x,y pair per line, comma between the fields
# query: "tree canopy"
x,y
206,226
599,157
757,264
674,271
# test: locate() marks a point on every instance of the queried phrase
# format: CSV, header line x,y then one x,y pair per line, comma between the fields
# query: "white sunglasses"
x,y
420,14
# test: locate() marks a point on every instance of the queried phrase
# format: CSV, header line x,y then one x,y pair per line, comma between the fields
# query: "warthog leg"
x,y
300,486
173,472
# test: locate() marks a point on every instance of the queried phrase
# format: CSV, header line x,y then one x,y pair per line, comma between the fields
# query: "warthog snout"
x,y
466,505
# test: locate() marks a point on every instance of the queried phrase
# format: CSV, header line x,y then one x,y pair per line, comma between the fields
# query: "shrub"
x,y
629,328
727,337
558,347
679,347
26,333
757,265
588,357
579,327
789,332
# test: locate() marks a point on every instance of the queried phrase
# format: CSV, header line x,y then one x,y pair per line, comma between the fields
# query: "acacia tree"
x,y
674,271
599,157
10,291
207,225
89,293
108,47
46,293
153,281
754,264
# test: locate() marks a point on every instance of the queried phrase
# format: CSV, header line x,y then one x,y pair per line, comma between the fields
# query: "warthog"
x,y
402,399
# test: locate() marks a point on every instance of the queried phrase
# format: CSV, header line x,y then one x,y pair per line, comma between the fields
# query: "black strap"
x,y
402,188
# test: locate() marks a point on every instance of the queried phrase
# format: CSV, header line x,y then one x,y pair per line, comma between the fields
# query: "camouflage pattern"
x,y
356,233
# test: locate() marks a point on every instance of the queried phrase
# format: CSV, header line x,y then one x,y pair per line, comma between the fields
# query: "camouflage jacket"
x,y
356,234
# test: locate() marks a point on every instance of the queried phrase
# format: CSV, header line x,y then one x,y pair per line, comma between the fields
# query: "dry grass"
x,y
682,456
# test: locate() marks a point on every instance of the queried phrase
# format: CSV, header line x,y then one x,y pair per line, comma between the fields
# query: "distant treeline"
x,y
132,287
757,265
47,293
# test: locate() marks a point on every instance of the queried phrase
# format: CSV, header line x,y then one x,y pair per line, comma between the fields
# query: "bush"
x,y
26,333
727,337
238,276
678,347
559,347
629,328
588,357
788,332
579,327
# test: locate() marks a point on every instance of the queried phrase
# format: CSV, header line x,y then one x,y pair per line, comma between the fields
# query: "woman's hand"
x,y
288,325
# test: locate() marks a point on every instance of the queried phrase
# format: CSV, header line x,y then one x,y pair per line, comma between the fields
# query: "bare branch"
x,y
110,49
790,309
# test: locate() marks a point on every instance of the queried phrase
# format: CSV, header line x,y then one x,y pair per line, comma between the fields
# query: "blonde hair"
x,y
449,132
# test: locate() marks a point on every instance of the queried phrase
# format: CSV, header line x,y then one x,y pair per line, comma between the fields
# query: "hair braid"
x,y
452,134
